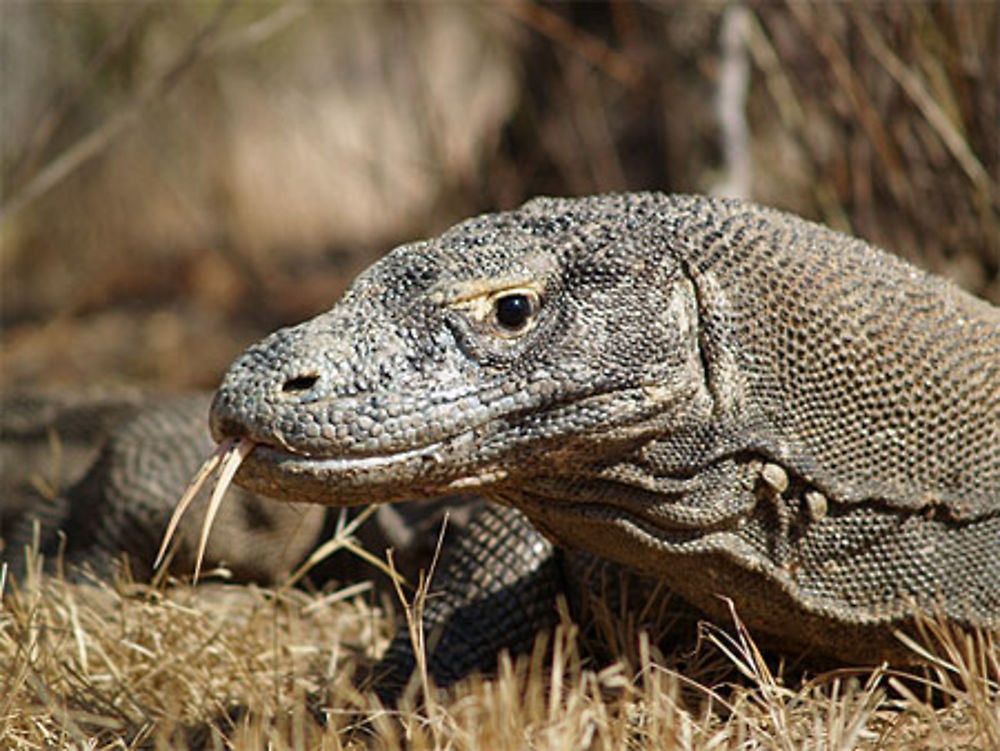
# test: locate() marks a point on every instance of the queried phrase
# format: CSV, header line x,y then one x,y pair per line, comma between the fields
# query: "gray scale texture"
x,y
678,348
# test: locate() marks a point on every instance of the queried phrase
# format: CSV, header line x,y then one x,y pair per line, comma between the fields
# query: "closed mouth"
x,y
270,454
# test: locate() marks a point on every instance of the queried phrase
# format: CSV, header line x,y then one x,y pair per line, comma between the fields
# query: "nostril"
x,y
299,383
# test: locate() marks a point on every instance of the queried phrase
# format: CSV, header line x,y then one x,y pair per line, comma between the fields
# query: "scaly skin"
x,y
727,397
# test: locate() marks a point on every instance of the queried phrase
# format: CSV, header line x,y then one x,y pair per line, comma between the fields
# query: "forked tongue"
x,y
227,458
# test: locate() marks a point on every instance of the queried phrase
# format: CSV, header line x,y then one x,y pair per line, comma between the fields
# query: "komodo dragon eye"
x,y
513,310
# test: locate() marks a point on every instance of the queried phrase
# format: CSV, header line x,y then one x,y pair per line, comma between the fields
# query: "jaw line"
x,y
414,474
265,453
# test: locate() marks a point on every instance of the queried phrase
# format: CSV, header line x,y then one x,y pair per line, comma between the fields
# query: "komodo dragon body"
x,y
730,399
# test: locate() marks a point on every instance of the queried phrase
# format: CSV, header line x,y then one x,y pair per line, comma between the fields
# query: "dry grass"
x,y
251,200
129,666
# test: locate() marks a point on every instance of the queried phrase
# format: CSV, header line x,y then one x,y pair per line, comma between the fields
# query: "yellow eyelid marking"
x,y
477,298
478,294
482,307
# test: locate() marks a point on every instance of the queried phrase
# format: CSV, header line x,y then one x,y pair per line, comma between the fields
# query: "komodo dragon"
x,y
727,398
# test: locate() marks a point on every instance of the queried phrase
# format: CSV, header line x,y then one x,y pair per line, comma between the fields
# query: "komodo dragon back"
x,y
741,402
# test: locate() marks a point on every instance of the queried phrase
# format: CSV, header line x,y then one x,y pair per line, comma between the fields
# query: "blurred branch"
x,y
849,80
592,49
792,114
202,45
99,139
262,30
66,99
731,103
931,110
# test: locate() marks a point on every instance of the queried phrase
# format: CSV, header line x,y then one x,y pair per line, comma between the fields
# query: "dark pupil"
x,y
513,311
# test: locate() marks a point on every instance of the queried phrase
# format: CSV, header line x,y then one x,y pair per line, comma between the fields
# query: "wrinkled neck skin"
x,y
411,387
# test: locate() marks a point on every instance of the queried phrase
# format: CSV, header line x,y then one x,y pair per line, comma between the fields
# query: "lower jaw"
x,y
338,481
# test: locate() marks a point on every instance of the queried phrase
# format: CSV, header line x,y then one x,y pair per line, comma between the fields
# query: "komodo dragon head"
x,y
729,397
513,346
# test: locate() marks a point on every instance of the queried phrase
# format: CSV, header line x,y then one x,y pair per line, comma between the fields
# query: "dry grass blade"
x,y
161,671
344,539
414,614
210,465
230,462
964,668
742,650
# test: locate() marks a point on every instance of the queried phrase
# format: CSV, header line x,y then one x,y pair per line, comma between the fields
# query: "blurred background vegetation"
x,y
180,178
